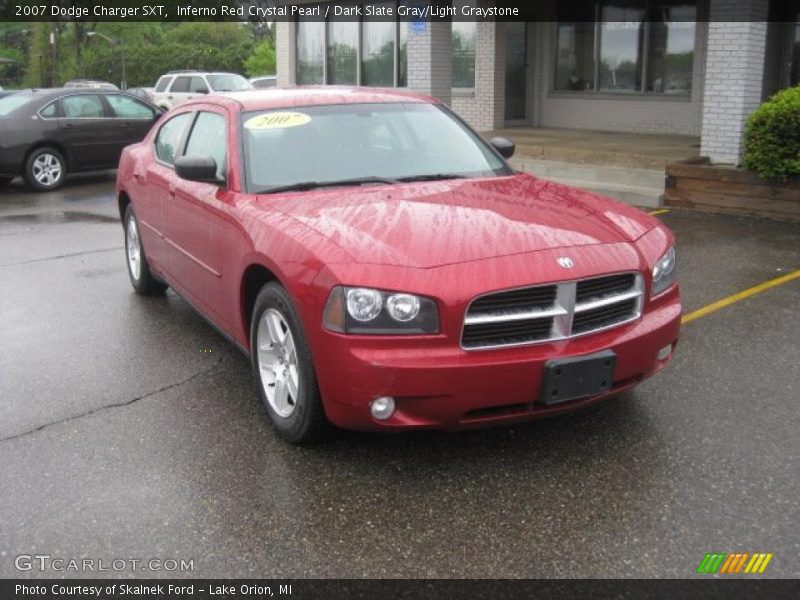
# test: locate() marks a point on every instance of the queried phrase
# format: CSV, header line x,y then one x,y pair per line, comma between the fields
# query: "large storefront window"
x,y
310,52
620,49
464,51
346,52
378,41
342,52
625,48
575,57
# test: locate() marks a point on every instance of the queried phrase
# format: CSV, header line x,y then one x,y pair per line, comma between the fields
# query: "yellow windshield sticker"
x,y
277,120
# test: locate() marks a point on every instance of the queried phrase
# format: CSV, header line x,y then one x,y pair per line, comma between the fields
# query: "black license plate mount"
x,y
577,377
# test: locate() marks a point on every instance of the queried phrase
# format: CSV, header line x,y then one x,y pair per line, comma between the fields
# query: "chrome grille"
x,y
552,312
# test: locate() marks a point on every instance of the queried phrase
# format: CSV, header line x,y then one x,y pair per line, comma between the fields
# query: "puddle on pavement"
x,y
67,216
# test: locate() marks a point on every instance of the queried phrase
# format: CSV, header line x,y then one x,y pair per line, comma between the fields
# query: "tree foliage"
x,y
150,49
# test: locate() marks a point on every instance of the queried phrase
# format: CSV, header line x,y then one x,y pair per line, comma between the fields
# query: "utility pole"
x,y
54,48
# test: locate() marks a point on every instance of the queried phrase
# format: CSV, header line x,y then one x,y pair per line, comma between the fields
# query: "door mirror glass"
x,y
197,168
504,146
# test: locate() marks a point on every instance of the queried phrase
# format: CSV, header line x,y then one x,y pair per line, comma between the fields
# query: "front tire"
x,y
45,169
284,372
139,272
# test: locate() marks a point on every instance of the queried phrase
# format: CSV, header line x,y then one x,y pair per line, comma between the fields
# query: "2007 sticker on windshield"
x,y
277,120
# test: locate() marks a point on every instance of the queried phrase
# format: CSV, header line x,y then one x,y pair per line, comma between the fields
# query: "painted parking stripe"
x,y
757,289
660,211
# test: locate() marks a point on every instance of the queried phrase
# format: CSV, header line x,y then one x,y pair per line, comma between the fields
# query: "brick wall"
x,y
430,60
285,49
484,107
735,70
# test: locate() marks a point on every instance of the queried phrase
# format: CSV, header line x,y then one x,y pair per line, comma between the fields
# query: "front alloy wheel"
x,y
277,361
283,369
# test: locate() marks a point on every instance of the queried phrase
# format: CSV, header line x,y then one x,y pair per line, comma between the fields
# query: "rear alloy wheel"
x,y
45,169
142,279
283,369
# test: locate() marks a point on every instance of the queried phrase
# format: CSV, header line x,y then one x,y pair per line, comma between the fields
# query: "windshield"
x,y
361,141
8,104
228,82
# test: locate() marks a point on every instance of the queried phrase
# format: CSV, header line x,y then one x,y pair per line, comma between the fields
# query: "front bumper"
x,y
439,386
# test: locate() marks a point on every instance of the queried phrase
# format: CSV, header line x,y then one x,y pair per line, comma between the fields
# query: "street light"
x,y
113,42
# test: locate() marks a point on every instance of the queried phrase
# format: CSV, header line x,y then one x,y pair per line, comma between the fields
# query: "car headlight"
x,y
369,311
664,272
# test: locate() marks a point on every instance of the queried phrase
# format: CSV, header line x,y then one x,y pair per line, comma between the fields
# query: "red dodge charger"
x,y
384,267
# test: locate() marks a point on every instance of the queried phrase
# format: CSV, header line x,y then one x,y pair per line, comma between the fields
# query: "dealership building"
x,y
691,67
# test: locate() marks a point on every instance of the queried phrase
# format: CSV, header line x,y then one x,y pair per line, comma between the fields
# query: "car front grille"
x,y
552,312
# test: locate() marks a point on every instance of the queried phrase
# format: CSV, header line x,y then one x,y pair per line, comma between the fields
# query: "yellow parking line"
x,y
660,211
757,289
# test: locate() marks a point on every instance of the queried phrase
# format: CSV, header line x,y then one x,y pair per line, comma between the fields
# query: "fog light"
x,y
382,408
664,353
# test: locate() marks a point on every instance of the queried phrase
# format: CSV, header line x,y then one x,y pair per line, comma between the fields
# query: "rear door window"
x,y
181,84
198,86
84,106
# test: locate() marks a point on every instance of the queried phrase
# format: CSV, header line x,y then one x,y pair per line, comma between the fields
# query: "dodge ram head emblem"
x,y
566,262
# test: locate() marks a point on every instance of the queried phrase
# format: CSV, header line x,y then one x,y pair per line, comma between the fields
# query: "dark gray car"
x,y
45,134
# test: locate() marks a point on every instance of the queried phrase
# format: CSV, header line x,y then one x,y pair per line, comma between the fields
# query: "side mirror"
x,y
197,168
504,146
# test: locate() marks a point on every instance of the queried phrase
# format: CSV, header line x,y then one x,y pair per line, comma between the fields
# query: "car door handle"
x,y
172,189
137,175
125,125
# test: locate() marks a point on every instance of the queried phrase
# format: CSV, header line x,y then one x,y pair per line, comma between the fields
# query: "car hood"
x,y
432,224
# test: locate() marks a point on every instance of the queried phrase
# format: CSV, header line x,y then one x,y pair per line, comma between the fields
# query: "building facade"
x,y
693,67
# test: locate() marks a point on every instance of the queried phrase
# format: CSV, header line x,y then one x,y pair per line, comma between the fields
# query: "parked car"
x,y
266,82
46,134
177,87
145,93
91,84
386,269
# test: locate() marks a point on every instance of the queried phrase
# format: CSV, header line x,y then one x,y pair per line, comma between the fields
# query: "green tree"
x,y
262,60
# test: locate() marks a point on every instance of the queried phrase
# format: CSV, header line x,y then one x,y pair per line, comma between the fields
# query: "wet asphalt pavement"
x,y
130,429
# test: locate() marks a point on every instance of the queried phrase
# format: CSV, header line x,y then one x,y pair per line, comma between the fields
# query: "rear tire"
x,y
142,279
283,369
45,169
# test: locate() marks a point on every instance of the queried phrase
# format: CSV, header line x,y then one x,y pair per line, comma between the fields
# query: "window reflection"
x,y
377,39
310,52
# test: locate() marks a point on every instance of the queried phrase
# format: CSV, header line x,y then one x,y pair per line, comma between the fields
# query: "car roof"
x,y
293,97
197,72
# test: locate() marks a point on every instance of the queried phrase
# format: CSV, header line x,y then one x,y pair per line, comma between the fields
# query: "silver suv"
x,y
177,87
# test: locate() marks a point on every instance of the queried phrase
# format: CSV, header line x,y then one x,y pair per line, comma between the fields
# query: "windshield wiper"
x,y
311,185
432,177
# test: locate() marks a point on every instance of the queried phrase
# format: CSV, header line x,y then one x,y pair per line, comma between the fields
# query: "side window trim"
x,y
181,145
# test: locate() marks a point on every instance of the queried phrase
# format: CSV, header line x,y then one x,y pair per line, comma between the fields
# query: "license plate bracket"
x,y
577,377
